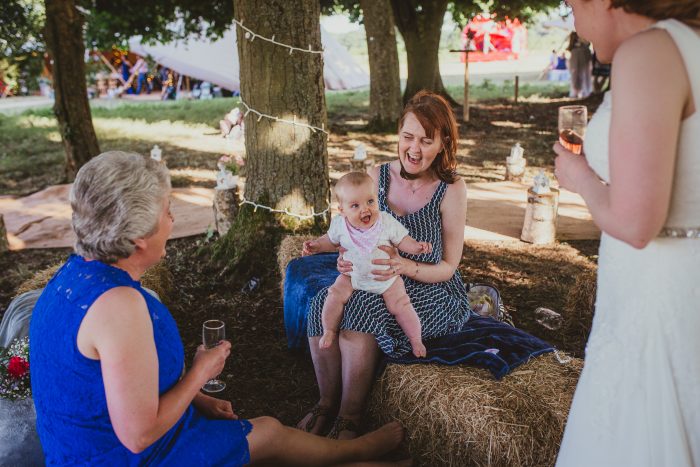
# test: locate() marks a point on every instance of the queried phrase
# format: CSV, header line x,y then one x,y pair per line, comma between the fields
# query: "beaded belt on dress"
x,y
680,232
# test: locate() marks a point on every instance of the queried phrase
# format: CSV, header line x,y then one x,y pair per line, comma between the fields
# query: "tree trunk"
x,y
286,165
64,38
420,24
385,85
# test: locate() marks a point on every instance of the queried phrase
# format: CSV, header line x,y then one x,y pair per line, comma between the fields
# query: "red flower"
x,y
18,367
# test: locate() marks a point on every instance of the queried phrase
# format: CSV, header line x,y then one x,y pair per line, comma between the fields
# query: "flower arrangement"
x,y
14,370
232,164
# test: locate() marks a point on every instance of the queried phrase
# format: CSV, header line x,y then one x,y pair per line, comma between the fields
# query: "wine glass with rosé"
x,y
572,127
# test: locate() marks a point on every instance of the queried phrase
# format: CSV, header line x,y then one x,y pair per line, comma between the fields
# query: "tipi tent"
x,y
218,63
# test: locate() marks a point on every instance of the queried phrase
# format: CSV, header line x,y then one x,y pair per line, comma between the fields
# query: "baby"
x,y
361,228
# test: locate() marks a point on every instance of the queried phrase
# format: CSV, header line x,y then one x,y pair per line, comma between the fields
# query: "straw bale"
x,y
38,280
579,308
290,248
157,278
459,415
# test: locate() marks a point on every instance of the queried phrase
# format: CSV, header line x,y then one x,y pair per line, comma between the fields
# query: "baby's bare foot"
x,y
418,349
327,339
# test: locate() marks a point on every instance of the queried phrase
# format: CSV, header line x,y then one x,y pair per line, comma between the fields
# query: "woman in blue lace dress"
x,y
422,191
108,372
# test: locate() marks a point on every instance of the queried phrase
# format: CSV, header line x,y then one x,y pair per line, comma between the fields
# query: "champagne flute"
x,y
572,127
213,332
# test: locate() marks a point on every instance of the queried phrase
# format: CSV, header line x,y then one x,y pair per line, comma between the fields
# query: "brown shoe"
x,y
316,412
343,424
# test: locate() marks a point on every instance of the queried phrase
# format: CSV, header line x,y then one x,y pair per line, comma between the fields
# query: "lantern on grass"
x,y
156,154
360,162
515,164
540,225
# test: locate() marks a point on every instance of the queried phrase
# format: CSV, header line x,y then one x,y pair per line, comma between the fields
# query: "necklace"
x,y
413,190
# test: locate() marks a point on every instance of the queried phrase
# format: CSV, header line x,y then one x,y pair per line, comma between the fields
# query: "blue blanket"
x,y
482,342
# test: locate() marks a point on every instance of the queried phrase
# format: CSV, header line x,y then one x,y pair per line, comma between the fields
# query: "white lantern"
x,y
156,153
360,152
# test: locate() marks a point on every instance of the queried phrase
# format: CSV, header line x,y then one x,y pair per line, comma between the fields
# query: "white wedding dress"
x,y
638,400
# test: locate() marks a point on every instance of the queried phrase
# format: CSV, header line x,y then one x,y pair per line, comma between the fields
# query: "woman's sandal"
x,y
342,424
316,412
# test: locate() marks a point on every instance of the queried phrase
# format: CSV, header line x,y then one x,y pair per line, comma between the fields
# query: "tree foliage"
x,y
161,20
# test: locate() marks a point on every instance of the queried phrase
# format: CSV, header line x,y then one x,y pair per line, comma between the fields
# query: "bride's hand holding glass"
x,y
569,168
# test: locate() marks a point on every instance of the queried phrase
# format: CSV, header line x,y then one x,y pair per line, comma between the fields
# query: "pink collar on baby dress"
x,y
365,240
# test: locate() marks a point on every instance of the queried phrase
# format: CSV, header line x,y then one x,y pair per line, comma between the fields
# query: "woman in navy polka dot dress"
x,y
422,191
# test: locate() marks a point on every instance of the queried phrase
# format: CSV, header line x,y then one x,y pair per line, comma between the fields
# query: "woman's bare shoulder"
x,y
647,49
456,192
638,63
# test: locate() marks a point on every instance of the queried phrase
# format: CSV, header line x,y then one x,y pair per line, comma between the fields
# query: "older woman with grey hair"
x,y
107,359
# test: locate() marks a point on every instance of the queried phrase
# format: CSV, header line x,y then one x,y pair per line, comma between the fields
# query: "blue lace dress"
x,y
72,418
442,307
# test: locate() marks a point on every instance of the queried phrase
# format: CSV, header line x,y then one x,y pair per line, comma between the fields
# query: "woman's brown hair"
x,y
434,113
687,11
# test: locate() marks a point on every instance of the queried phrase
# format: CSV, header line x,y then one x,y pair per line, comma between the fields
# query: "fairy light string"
x,y
283,211
249,109
251,36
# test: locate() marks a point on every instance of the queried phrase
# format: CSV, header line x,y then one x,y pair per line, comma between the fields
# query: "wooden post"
x,y
517,87
4,244
540,225
465,106
225,209
361,165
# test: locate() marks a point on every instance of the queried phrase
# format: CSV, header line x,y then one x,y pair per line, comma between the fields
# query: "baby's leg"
x,y
338,295
399,305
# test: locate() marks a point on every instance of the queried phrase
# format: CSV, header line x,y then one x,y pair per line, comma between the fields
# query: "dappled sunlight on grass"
x,y
196,137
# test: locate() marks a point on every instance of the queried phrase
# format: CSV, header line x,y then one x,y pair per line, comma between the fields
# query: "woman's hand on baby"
x,y
344,267
212,360
212,407
395,263
310,247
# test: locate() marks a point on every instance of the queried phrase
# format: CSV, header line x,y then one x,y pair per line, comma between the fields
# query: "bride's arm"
x,y
647,110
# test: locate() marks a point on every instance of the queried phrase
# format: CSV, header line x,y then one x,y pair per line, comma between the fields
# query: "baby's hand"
x,y
310,248
425,247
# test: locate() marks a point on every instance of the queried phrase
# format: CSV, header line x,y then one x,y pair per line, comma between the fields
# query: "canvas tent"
x,y
217,61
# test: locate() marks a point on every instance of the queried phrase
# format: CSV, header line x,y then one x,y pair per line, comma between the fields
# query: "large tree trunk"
x,y
420,24
385,84
64,38
286,165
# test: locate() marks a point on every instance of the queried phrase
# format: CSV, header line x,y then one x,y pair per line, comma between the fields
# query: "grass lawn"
x,y
263,376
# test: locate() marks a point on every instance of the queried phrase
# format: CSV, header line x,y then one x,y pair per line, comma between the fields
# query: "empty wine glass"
x,y
213,332
572,127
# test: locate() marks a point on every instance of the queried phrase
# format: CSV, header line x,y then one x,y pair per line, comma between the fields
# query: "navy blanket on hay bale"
x,y
456,415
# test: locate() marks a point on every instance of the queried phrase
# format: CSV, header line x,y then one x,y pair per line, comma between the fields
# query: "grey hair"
x,y
116,198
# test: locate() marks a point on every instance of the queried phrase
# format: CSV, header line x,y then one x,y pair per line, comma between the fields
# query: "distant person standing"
x,y
580,66
141,67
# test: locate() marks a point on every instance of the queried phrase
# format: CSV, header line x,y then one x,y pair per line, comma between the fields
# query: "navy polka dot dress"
x,y
442,307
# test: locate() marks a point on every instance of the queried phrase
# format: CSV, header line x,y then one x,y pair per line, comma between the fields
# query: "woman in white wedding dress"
x,y
638,400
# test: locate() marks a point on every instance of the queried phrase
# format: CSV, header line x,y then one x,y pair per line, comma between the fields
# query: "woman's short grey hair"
x,y
117,197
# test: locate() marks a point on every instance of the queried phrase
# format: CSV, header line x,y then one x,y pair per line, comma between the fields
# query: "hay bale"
x,y
579,309
290,248
458,415
157,278
38,280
